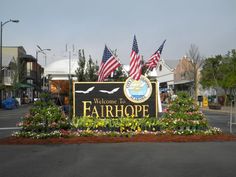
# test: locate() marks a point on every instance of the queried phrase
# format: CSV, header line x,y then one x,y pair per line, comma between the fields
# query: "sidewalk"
x,y
224,109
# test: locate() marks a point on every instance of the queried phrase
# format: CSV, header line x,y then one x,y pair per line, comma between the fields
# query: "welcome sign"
x,y
115,99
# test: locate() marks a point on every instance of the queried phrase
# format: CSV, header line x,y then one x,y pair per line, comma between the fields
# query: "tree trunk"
x,y
225,97
195,86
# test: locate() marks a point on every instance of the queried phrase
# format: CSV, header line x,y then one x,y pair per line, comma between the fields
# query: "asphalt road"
x,y
213,159
220,120
207,159
9,119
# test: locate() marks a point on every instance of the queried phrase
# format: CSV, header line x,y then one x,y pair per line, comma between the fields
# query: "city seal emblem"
x,y
137,91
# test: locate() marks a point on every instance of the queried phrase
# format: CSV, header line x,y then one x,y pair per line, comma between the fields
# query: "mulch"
x,y
104,139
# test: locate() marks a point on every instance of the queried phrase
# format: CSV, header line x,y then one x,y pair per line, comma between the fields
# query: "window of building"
x,y
30,81
7,73
29,68
160,68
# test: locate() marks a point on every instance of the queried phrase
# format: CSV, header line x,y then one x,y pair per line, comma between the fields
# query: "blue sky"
x,y
90,24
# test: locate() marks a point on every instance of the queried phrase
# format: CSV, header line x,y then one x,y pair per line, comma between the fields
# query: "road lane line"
x,y
10,128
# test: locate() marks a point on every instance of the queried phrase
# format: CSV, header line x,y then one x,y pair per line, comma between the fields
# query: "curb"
x,y
221,110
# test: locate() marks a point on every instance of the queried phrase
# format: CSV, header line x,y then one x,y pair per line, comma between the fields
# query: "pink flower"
x,y
165,110
27,115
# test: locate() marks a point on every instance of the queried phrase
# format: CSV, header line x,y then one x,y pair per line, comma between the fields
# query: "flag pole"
x,y
147,71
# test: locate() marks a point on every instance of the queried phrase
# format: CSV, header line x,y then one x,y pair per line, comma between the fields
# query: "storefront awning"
x,y
183,82
21,85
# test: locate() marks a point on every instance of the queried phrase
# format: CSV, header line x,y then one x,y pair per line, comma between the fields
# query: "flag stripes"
x,y
135,62
108,65
154,59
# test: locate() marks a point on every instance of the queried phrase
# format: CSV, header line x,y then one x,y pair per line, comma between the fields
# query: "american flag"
x,y
153,60
108,65
135,62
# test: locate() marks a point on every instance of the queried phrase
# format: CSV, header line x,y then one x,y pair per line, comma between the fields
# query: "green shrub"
x,y
44,116
183,113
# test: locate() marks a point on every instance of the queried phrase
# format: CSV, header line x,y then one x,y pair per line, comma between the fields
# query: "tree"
x,y
144,68
230,59
80,72
196,62
119,74
87,70
220,72
228,74
91,70
17,73
210,73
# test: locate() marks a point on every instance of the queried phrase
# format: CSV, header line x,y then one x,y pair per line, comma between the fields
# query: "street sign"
x,y
115,99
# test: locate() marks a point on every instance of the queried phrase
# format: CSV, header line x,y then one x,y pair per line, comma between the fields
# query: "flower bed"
x,y
100,133
182,117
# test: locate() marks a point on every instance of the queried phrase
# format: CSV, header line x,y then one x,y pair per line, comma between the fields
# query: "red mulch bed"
x,y
138,138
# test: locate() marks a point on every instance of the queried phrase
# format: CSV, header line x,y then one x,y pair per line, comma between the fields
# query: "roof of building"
x,y
62,67
172,63
6,61
29,57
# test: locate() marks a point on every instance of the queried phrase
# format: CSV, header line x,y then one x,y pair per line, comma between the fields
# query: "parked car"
x,y
10,103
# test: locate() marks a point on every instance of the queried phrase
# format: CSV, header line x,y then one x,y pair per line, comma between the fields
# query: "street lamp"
x,y
2,24
42,51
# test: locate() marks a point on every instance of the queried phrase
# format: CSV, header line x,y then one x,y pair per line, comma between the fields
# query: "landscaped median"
x,y
120,127
182,117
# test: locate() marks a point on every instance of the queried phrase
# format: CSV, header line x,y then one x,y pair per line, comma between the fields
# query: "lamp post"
x,y
2,24
42,51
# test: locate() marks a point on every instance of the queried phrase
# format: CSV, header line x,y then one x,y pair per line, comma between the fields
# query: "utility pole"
x,y
70,87
1,83
45,55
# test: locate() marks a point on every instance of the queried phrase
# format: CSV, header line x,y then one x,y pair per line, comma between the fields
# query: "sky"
x,y
90,24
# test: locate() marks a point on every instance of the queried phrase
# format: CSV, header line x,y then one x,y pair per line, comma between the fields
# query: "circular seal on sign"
x,y
137,91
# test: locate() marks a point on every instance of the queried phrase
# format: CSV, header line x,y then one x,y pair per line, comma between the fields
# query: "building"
x,y
57,74
32,76
21,74
183,76
184,79
164,73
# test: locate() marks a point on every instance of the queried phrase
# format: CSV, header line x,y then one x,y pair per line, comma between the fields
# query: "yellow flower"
x,y
139,129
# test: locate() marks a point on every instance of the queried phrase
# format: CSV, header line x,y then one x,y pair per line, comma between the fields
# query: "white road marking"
x,y
10,128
